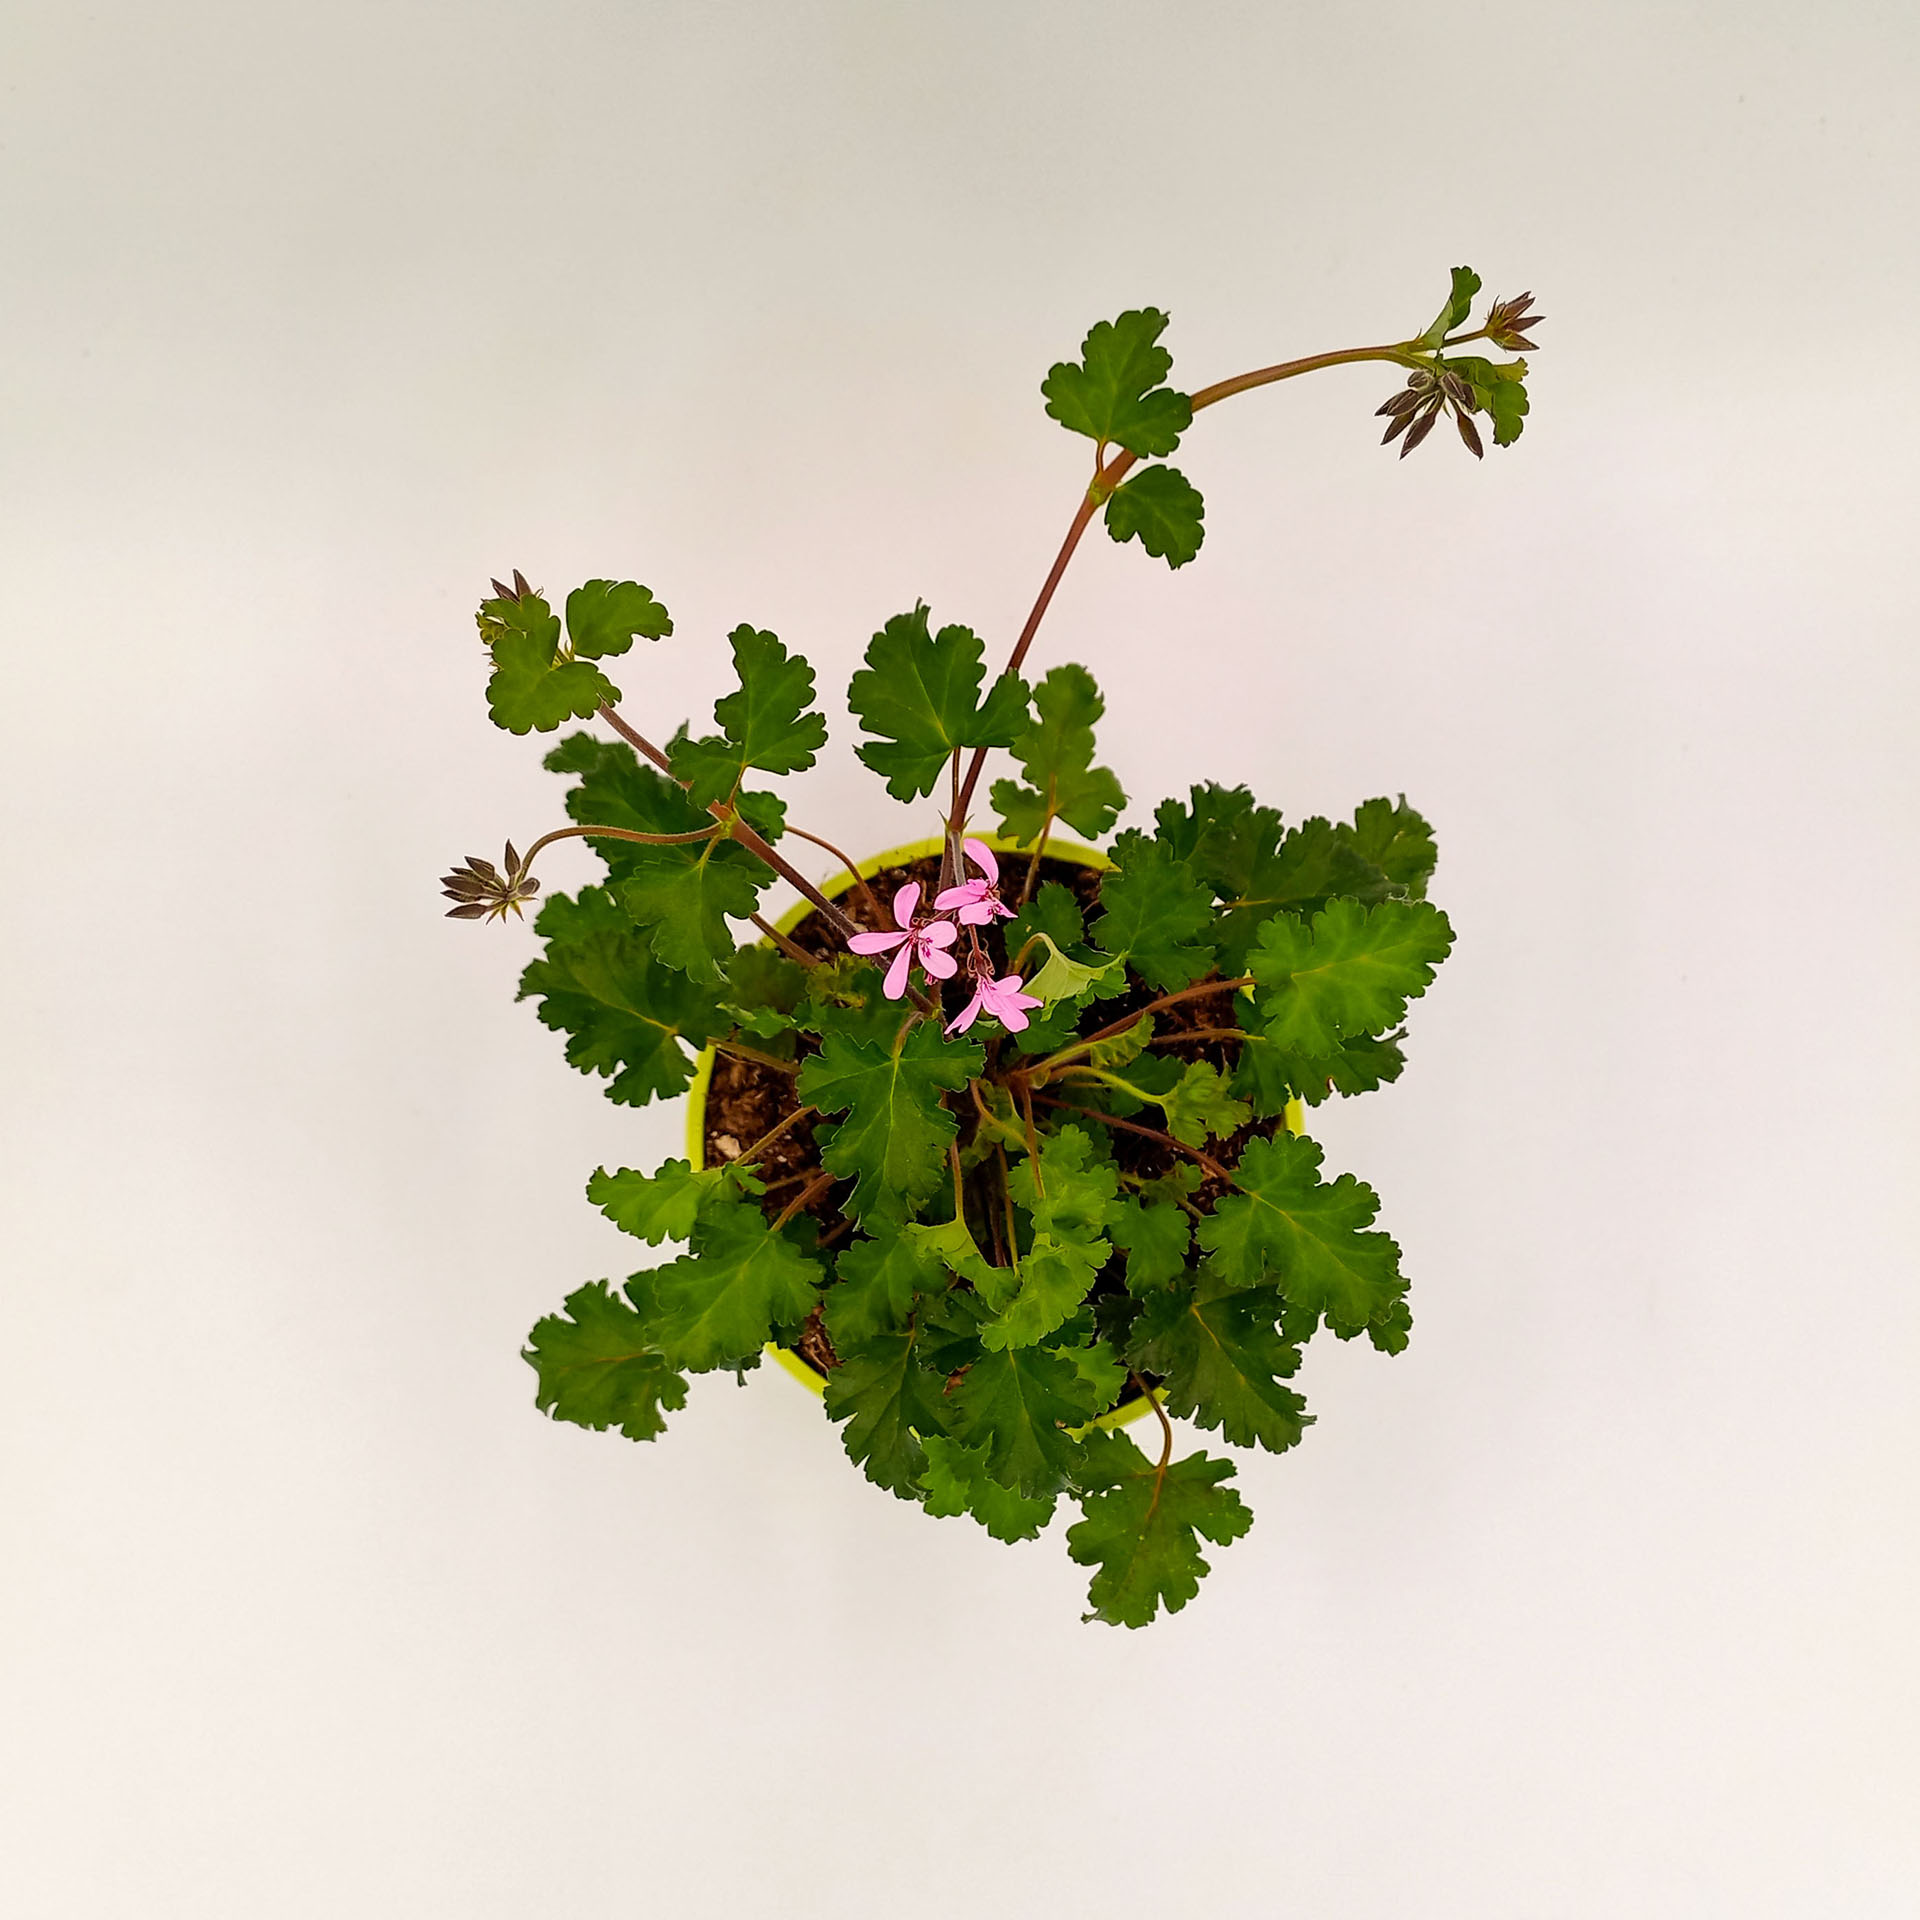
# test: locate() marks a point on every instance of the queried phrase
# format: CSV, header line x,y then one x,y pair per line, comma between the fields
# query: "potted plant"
x,y
998,1139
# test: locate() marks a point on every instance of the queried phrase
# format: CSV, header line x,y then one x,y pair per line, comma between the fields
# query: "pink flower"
x,y
978,901
927,944
1001,998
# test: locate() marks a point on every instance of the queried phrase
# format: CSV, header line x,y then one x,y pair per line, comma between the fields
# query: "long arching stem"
x,y
1114,471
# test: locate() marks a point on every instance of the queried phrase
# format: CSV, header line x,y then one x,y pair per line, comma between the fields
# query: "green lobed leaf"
x,y
626,1014
847,996
1157,1237
688,901
1394,838
664,1205
740,1285
1114,394
1060,977
598,1367
920,692
1351,972
1460,296
1500,388
1071,1196
1284,1224
606,616
767,724
893,1142
951,1244
878,1285
889,1400
764,990
1313,864
532,692
1270,1076
957,1482
1162,509
1199,1107
1222,1359
1154,913
1019,1405
1056,753
1143,1527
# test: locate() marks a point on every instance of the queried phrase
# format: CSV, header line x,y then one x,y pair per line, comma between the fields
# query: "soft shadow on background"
x,y
1598,1600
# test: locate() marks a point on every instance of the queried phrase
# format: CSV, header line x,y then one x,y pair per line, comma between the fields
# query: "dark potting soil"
x,y
746,1099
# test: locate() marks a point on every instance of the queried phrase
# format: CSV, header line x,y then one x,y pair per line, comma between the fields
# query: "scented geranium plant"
x,y
1003,1140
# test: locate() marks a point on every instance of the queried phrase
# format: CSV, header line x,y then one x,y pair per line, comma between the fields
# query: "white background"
x,y
1600,1599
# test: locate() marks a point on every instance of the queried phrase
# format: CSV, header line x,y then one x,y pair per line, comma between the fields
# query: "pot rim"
x,y
703,1067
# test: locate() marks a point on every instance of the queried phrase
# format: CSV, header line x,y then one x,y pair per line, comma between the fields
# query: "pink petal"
x,y
1012,1019
982,857
896,980
937,933
964,895
905,903
875,942
939,966
967,1015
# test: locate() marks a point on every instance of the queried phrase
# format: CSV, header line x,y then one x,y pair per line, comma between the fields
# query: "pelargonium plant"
x,y
1001,1141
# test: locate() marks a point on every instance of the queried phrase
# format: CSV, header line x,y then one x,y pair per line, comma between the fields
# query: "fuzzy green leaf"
x,y
893,1142
920,692
1222,1360
598,1368
1283,1224
889,1400
721,1303
1114,394
1162,509
957,1482
626,1014
615,790
1155,912
1351,972
605,617
1056,754
1143,1527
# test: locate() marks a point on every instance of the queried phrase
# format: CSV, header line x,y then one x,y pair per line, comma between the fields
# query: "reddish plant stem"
x,y
1109,476
1166,1427
1206,1160
811,1191
772,1134
1140,1013
859,879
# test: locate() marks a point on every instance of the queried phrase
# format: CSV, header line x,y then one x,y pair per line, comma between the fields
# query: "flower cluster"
x,y
929,938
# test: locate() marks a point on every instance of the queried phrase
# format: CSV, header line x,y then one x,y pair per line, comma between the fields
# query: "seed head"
x,y
484,891
1508,322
